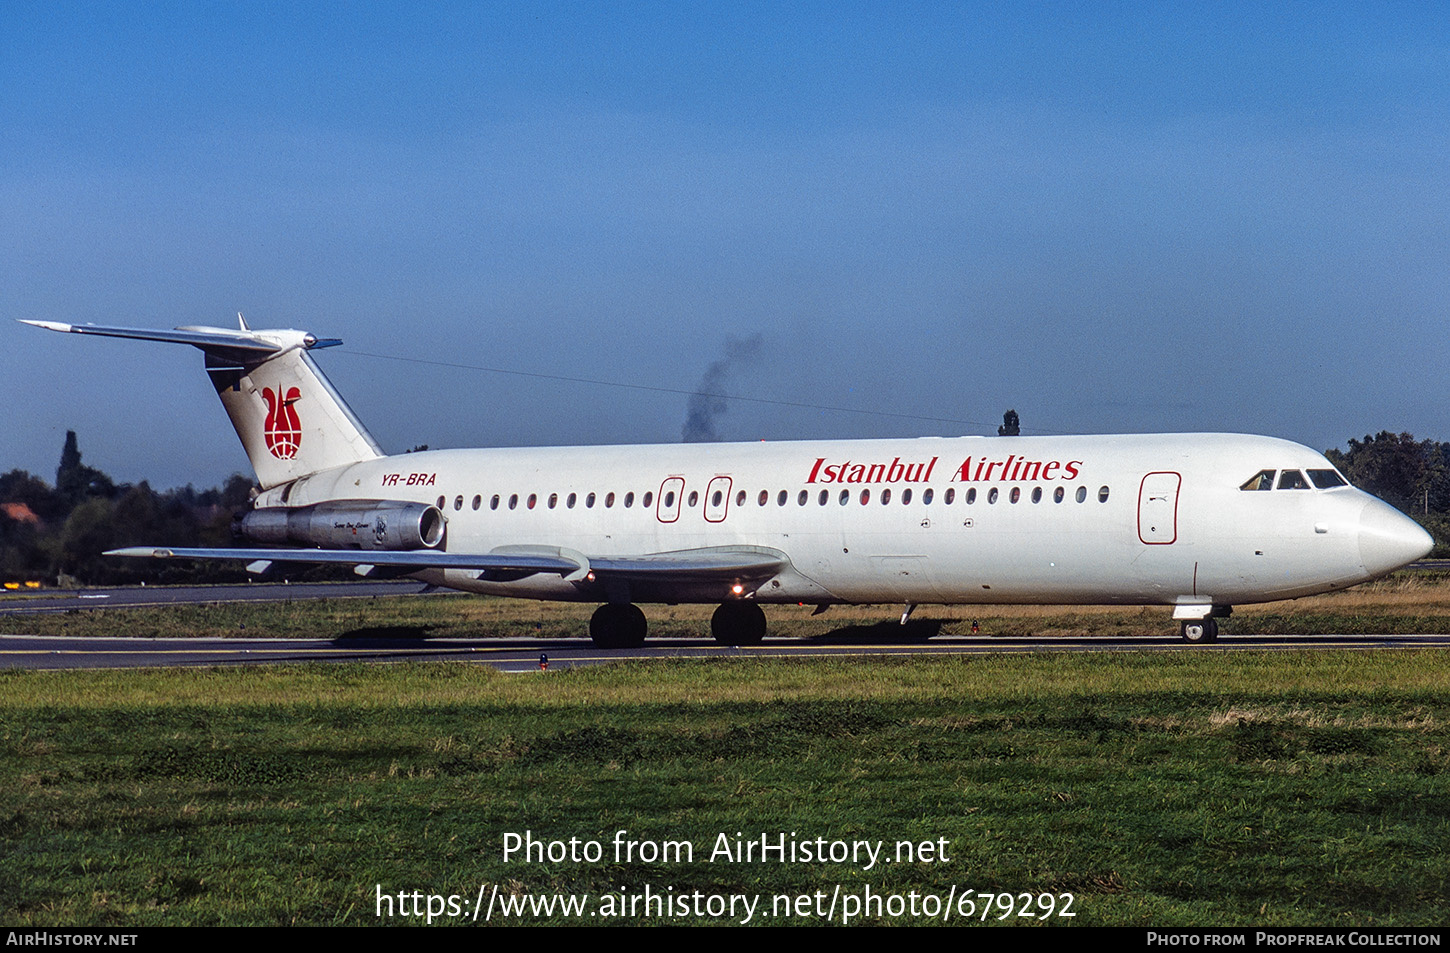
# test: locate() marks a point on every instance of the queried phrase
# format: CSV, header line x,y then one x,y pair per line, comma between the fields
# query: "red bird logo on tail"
x,y
282,429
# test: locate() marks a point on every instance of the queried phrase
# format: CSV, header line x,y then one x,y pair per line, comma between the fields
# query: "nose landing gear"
x,y
1199,631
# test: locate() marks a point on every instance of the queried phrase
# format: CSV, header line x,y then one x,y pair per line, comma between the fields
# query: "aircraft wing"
x,y
693,566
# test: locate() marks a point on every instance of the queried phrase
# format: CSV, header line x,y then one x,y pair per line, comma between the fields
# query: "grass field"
x,y
1183,789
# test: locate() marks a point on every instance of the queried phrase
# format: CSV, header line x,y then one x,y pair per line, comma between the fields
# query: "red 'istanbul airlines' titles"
x,y
1013,469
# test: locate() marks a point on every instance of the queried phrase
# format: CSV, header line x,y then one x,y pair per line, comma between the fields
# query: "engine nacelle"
x,y
348,524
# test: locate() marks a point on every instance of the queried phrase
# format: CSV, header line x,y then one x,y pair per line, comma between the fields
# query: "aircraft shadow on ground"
x,y
407,633
880,633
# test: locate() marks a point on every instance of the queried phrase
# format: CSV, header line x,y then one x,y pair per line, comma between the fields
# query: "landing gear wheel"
x,y
738,623
618,626
1199,631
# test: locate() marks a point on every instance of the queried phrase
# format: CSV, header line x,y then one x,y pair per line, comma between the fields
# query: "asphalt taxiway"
x,y
519,655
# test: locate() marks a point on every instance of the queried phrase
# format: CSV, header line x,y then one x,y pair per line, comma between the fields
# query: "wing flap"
x,y
694,564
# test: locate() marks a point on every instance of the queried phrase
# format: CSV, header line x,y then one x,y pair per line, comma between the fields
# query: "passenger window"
x,y
865,496
885,496
533,498
1016,494
906,495
1263,480
442,502
629,499
609,499
1324,479
458,502
1102,494
513,501
951,496
972,495
669,499
553,500
845,497
1081,493
716,498
1292,480
694,497
926,496
1037,494
825,495
804,495
648,499
477,502
1057,495
781,497
570,501
991,495
764,497
493,503
740,498
589,502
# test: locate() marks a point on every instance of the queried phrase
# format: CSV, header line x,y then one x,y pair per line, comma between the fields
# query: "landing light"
x,y
737,589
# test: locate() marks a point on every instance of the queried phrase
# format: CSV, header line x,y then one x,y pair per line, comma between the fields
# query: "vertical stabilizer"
x,y
291,420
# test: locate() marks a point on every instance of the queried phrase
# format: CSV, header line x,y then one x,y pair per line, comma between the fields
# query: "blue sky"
x,y
1110,217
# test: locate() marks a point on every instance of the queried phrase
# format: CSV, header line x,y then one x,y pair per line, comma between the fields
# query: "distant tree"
x,y
88,532
18,486
74,481
21,554
59,536
236,493
1011,426
1394,467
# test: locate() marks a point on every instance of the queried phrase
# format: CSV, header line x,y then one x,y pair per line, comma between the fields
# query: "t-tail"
x,y
289,417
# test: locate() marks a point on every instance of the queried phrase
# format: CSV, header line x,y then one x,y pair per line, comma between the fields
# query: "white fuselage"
x,y
1139,519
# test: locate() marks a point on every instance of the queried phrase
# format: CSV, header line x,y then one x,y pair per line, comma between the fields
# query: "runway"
x,y
521,655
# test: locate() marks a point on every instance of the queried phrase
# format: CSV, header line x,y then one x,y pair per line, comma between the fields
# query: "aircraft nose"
x,y
1388,539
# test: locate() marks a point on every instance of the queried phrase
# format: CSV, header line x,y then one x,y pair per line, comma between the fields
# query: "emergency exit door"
x,y
1158,508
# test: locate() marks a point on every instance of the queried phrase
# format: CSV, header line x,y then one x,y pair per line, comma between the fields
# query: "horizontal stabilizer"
x,y
208,339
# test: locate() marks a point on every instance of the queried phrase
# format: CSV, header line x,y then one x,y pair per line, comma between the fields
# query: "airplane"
x,y
1198,522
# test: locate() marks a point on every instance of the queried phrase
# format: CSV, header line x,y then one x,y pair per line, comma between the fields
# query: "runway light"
x,y
543,662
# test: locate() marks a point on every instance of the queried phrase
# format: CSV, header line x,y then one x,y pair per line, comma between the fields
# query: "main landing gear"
x,y
738,623
623,625
618,626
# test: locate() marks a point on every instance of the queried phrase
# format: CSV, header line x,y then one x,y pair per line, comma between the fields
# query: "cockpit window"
x,y
1263,480
1324,479
1292,480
